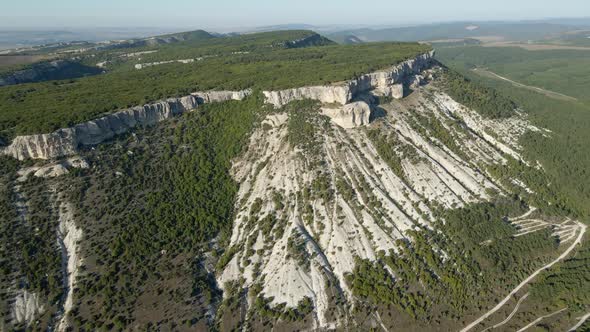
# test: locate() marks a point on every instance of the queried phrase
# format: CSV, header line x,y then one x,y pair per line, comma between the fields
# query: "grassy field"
x,y
259,61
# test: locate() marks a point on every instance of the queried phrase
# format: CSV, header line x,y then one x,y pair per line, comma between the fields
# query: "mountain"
x,y
346,39
278,181
25,38
517,31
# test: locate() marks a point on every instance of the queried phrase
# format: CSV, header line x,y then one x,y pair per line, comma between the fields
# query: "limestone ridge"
x,y
387,82
66,141
312,40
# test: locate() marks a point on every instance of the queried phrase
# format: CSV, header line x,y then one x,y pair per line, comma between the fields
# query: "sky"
x,y
228,14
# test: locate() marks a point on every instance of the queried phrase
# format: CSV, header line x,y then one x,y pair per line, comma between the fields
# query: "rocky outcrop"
x,y
102,129
395,91
328,94
388,82
66,141
27,307
220,96
350,115
42,146
52,170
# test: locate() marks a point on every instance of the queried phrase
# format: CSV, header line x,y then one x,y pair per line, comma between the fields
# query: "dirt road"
x,y
547,93
529,279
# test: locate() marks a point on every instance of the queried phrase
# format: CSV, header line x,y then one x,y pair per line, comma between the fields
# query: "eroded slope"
x,y
316,199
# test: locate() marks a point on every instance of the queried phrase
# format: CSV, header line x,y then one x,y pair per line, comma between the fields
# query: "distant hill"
x,y
196,35
346,39
520,31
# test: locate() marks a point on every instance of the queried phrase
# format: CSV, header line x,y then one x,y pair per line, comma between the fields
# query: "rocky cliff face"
x,y
66,141
388,82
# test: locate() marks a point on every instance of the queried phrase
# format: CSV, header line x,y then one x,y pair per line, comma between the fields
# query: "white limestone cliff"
x,y
65,141
387,82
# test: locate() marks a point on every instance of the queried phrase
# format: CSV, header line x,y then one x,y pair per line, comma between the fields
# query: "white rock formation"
x,y
27,306
134,54
69,235
329,94
415,81
395,90
506,132
61,142
350,115
53,169
385,82
220,96
65,141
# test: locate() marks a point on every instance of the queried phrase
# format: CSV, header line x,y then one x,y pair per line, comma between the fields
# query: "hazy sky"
x,y
219,14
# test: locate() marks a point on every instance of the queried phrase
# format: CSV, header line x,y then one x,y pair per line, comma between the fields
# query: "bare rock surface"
x,y
52,170
350,115
69,236
27,306
305,245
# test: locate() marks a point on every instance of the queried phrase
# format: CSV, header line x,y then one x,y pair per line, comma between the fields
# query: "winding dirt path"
x,y
511,314
529,279
526,214
580,323
536,321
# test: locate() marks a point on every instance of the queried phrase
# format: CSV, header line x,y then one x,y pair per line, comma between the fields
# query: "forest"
x,y
563,181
